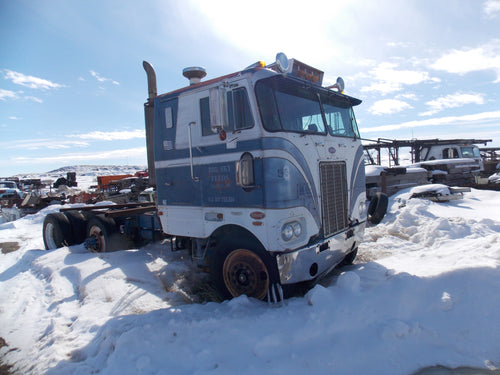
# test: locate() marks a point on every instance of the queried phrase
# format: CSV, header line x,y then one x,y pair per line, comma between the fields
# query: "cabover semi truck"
x,y
258,173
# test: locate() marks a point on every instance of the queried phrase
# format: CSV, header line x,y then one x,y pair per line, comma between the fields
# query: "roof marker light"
x,y
258,64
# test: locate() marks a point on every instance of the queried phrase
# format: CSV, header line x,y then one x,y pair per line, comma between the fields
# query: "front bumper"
x,y
316,260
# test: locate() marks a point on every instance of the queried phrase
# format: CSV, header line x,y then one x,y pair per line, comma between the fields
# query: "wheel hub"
x,y
245,273
95,241
243,278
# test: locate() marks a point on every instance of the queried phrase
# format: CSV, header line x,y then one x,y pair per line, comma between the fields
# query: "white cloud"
x,y
7,94
488,132
409,96
387,78
33,98
383,87
251,34
477,118
112,136
491,8
397,44
388,106
366,62
102,79
83,157
44,143
14,118
484,57
30,81
452,101
69,142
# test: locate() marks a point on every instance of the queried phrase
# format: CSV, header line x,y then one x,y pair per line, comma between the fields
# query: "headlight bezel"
x,y
291,230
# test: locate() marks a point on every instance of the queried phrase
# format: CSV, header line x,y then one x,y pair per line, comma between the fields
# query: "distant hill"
x,y
101,170
86,170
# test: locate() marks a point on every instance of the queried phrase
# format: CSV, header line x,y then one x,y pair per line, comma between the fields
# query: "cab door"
x,y
228,134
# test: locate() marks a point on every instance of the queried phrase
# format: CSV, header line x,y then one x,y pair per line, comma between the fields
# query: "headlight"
x,y
287,232
290,230
297,229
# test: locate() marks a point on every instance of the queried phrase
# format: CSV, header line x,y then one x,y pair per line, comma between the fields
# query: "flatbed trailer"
x,y
103,228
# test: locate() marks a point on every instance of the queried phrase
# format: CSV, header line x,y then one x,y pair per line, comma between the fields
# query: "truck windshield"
x,y
470,152
287,105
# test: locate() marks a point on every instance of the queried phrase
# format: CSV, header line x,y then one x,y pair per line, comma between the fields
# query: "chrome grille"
x,y
333,181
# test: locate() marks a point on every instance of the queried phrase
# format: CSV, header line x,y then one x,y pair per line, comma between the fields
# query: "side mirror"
x,y
218,109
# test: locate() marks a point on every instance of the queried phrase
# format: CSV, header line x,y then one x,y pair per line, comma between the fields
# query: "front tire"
x,y
237,271
245,273
377,208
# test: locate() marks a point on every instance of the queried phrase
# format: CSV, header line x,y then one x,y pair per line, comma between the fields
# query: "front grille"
x,y
333,181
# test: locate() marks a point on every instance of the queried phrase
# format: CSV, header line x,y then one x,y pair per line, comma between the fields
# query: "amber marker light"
x,y
257,215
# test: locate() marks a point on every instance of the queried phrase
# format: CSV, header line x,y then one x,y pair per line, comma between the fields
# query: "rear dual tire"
x,y
71,227
63,229
103,235
56,231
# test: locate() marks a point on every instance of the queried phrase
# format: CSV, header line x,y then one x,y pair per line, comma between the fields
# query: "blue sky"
x,y
72,86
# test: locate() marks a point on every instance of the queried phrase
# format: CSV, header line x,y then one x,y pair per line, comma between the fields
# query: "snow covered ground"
x,y
424,291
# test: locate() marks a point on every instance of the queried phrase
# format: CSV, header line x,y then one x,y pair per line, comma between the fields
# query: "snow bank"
x,y
494,178
424,292
373,170
437,188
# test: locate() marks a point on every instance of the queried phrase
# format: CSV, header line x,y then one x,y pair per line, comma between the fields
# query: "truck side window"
x,y
238,108
205,116
268,110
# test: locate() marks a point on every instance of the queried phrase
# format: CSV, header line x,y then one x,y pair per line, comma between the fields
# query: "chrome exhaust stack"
x,y
149,120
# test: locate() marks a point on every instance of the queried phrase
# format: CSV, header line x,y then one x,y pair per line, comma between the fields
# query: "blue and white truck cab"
x,y
259,173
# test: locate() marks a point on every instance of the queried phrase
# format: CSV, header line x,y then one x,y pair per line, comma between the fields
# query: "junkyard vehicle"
x,y
9,189
10,194
259,173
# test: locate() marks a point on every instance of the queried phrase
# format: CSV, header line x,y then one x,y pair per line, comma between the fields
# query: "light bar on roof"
x,y
306,72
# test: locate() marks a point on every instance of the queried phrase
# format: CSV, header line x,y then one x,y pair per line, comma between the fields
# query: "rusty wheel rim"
x,y
100,242
245,273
